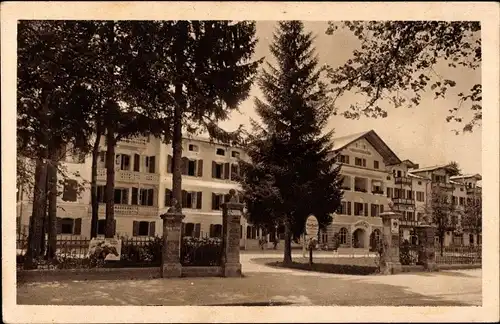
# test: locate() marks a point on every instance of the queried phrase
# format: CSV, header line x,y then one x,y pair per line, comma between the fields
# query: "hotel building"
x,y
375,180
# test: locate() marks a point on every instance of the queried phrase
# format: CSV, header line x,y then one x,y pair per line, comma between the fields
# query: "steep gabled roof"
x,y
388,155
476,176
431,168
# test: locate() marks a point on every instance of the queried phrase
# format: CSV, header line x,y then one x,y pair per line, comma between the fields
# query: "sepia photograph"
x,y
244,163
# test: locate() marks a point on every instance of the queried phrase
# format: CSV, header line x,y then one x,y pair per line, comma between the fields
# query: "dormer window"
x,y
220,152
235,154
193,148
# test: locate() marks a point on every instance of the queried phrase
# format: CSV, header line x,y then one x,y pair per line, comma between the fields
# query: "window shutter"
x,y
234,171
152,226
168,197
184,165
349,210
150,197
137,162
226,170
213,202
366,209
169,163
227,197
183,229
102,156
212,230
135,228
78,226
184,198
214,169
134,196
381,208
200,168
152,164
197,230
198,199
59,225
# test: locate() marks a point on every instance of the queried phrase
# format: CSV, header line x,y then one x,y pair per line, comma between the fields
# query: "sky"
x,y
420,134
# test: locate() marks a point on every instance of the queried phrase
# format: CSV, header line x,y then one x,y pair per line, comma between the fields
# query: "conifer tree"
x,y
292,172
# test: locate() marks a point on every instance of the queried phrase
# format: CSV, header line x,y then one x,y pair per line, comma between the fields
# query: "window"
x,y
399,173
374,210
220,151
375,165
235,171
358,209
217,201
410,215
235,154
100,193
193,148
121,196
251,232
324,238
360,162
69,226
343,208
220,170
70,190
461,189
143,228
215,230
420,183
471,239
191,168
389,192
388,178
462,201
191,199
420,196
168,197
343,159
458,239
381,208
188,229
145,196
150,164
420,217
409,194
101,226
343,235
102,156
123,161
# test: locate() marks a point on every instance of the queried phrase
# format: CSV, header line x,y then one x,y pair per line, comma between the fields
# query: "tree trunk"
x,y
287,258
441,243
52,205
93,192
110,181
36,224
180,105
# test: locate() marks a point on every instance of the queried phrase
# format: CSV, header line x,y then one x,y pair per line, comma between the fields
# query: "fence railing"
x,y
201,251
73,252
459,255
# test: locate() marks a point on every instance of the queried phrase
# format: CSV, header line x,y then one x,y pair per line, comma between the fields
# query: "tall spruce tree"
x,y
292,172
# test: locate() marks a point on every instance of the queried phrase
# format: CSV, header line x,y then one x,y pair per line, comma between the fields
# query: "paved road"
x,y
263,285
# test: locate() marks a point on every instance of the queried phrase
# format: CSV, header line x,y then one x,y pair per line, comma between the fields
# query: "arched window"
x,y
471,239
343,235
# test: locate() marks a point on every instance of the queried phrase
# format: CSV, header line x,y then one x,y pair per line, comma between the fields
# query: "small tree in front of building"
x,y
472,219
442,213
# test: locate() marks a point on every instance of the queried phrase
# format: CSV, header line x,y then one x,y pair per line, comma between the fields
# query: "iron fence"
x,y
459,255
73,252
201,251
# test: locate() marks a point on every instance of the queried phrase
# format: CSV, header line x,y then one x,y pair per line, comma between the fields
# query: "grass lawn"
x,y
353,266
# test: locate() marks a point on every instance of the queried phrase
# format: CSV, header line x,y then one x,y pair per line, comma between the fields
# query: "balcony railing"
x,y
403,201
130,176
135,142
130,210
409,223
402,180
360,189
444,185
378,192
471,191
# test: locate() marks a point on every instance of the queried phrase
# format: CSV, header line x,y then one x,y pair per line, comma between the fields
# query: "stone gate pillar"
x,y
389,258
231,215
427,251
170,261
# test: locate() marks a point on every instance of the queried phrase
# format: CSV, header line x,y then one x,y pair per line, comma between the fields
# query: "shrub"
x,y
201,251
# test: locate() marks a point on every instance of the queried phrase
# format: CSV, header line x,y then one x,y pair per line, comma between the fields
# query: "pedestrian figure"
x,y
276,241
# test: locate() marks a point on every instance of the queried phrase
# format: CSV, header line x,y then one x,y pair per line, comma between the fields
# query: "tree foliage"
x,y
443,213
454,169
396,62
472,218
291,172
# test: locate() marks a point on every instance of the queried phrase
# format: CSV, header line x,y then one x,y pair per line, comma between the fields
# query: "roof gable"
x,y
378,144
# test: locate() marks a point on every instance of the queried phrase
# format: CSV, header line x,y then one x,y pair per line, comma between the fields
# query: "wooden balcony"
x,y
403,201
137,142
402,180
129,210
130,176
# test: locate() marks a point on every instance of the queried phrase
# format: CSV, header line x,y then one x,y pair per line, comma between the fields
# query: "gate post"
x,y
170,261
231,215
427,250
389,258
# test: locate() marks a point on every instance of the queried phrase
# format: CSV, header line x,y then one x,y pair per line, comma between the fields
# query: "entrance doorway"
x,y
358,239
